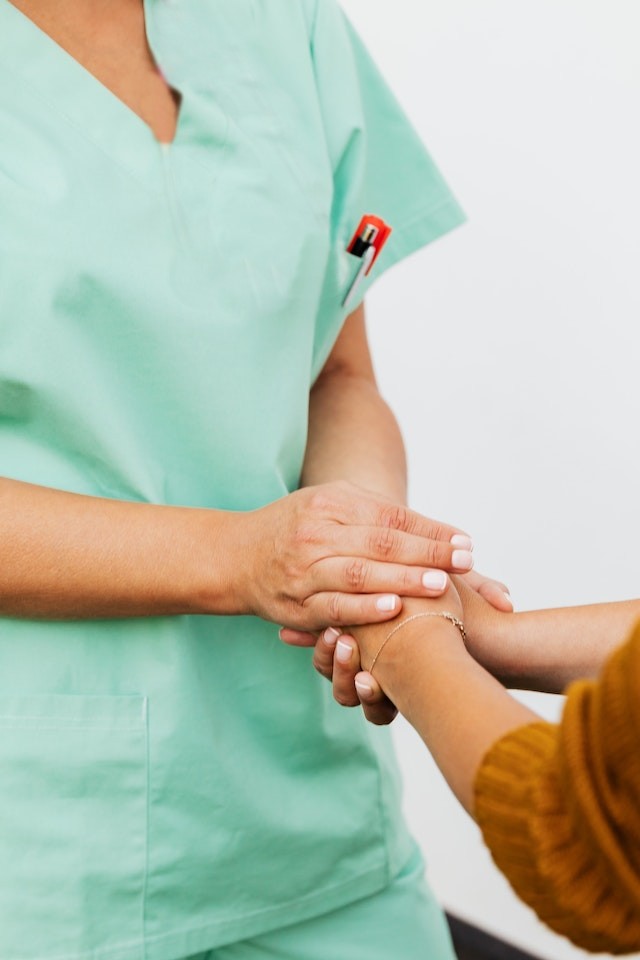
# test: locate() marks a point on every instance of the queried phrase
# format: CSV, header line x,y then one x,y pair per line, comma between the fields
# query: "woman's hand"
x,y
494,592
339,554
490,631
337,658
341,657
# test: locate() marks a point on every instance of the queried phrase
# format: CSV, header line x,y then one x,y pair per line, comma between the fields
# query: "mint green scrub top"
x,y
170,784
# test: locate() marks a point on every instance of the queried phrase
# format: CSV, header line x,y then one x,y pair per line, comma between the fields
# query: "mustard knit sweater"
x,y
559,808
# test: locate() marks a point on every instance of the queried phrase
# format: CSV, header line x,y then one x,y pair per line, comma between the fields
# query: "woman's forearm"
x,y
68,556
458,709
548,649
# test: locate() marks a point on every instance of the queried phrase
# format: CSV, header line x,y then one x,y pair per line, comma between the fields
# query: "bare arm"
x,y
64,555
555,803
545,649
67,556
353,435
456,706
458,709
329,553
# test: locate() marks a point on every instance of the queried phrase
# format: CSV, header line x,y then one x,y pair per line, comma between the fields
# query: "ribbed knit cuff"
x,y
523,814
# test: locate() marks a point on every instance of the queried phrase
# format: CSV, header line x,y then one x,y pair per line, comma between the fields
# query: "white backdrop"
x,y
510,349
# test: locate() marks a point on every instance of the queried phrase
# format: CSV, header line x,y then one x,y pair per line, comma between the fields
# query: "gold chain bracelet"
x,y
419,616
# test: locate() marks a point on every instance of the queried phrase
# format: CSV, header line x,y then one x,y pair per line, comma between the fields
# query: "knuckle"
x,y
344,699
407,581
432,554
438,531
322,665
305,614
377,720
384,542
322,500
396,517
305,534
334,607
382,719
293,574
356,574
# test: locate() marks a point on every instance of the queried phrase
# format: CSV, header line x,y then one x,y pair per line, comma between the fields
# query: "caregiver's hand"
x,y
337,553
481,593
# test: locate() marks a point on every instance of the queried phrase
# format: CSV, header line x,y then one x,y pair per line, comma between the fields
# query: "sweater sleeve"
x,y
559,808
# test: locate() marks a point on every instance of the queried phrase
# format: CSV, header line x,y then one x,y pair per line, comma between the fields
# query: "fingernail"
x,y
509,598
462,541
364,690
462,559
434,580
330,636
386,603
343,651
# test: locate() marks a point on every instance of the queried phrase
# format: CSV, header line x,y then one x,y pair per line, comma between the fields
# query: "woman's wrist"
x,y
425,652
492,635
395,648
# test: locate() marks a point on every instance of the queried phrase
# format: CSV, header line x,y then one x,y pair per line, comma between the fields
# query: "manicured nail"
x,y
343,651
462,559
434,580
364,689
330,636
386,603
462,541
509,599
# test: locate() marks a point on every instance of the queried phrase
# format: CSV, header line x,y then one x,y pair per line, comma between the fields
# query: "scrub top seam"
x,y
239,921
314,24
145,879
380,802
87,138
322,216
445,201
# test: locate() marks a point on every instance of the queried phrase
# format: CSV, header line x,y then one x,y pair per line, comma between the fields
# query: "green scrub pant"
x,y
403,921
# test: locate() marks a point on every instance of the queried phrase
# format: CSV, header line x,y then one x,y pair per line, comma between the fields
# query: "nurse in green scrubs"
x,y
189,428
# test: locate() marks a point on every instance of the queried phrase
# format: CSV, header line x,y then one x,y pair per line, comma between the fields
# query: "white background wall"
x,y
510,350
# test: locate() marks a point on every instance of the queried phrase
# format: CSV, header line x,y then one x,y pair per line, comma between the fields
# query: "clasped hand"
x,y
337,554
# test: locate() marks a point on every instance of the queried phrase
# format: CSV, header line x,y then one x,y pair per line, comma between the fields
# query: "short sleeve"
x,y
380,166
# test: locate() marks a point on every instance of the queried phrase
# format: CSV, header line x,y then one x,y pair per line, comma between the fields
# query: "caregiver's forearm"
x,y
548,649
68,556
354,436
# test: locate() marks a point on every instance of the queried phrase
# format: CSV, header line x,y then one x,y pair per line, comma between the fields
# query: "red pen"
x,y
367,242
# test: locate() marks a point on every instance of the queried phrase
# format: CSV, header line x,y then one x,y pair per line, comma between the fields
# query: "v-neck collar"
x,y
96,112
